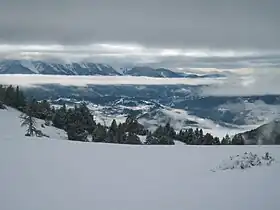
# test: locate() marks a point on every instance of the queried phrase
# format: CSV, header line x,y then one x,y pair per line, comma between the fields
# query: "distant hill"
x,y
266,134
150,72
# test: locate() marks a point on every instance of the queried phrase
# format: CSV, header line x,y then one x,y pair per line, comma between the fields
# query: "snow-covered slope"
x,y
42,173
10,126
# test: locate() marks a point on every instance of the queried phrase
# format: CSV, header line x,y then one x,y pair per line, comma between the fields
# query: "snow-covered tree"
x,y
28,121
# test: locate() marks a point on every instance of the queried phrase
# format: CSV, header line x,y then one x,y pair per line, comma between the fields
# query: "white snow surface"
x,y
55,174
10,126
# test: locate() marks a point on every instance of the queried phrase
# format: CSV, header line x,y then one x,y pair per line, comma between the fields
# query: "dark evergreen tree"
x,y
29,121
180,136
132,139
216,141
226,140
114,127
159,132
196,136
13,97
111,137
75,132
190,137
9,98
238,140
208,139
2,105
132,125
121,134
200,137
59,119
99,134
151,140
165,140
169,131
19,99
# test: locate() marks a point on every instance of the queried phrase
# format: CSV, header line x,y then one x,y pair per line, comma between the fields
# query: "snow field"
x,y
48,174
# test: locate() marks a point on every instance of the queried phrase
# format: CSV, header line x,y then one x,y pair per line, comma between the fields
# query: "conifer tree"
x,y
165,140
226,140
238,140
190,136
216,141
28,121
99,134
208,139
132,139
151,140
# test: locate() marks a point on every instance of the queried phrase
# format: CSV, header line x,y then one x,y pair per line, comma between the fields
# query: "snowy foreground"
x,y
49,174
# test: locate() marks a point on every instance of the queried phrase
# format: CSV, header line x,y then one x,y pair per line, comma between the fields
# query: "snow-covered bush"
x,y
246,160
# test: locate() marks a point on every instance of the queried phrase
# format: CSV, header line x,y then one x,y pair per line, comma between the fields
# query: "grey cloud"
x,y
126,56
237,62
239,24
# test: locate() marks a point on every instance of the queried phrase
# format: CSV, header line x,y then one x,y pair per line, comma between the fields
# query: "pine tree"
x,y
196,136
190,136
216,141
151,140
132,139
200,137
132,125
169,131
76,133
238,140
226,140
159,132
208,139
2,105
114,127
165,140
111,137
19,99
121,134
59,119
28,121
99,134
180,135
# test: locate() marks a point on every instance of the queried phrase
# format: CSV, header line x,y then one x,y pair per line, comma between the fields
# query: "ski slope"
x,y
52,174
11,126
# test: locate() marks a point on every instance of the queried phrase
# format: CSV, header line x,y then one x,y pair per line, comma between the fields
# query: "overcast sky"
x,y
222,34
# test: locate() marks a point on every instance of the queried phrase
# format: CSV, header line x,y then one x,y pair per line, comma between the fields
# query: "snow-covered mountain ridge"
x,y
42,67
89,68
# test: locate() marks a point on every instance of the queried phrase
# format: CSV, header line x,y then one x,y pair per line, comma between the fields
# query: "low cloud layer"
x,y
256,82
259,82
33,80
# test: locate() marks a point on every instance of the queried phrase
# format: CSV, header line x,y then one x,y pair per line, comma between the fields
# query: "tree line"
x,y
79,124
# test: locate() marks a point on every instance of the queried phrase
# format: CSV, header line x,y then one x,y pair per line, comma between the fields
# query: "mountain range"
x,y
88,68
